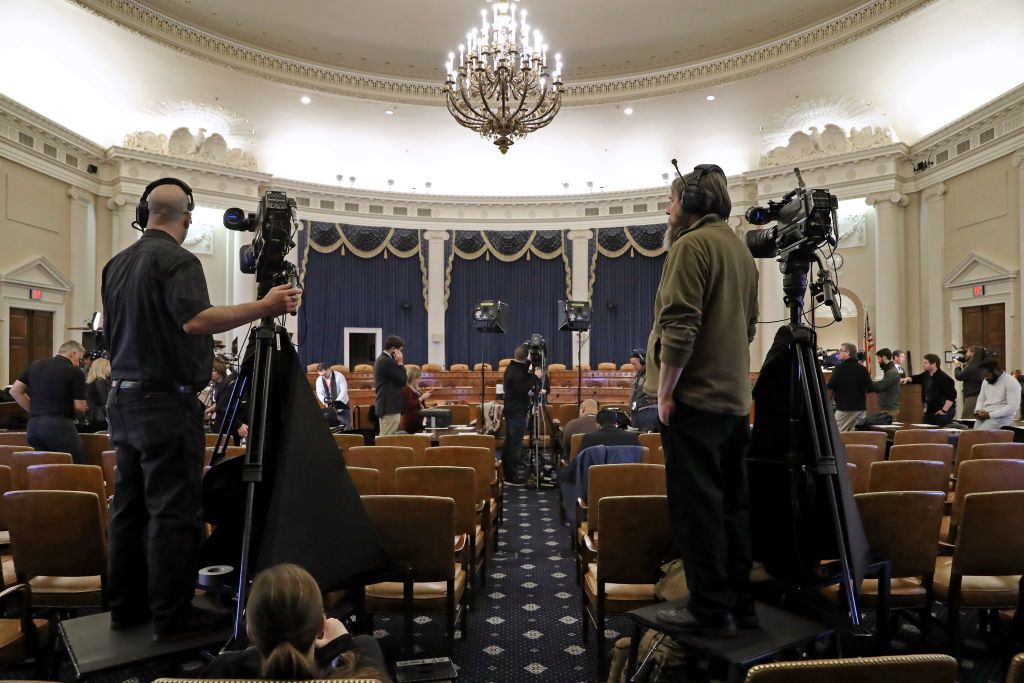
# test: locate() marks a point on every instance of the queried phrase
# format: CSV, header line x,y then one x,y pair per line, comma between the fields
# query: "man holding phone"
x,y
388,379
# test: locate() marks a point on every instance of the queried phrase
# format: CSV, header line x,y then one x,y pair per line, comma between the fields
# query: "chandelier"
x,y
502,86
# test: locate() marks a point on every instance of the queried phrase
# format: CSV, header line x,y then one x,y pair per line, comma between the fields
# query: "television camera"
x,y
274,224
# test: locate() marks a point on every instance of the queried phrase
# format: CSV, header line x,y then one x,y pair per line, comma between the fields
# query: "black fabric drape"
x,y
623,305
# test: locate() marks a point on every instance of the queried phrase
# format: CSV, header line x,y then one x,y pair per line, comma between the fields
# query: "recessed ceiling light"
x,y
389,112
628,111
305,99
710,98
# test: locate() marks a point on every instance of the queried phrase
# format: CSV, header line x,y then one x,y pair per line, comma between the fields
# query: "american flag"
x,y
869,340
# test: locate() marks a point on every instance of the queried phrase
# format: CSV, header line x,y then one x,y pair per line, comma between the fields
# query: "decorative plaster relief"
x,y
832,140
182,144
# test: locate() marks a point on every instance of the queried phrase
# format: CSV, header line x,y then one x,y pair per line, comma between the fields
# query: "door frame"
x,y
39,274
1000,288
378,333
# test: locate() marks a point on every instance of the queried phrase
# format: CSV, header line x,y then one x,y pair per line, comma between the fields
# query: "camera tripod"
x,y
536,428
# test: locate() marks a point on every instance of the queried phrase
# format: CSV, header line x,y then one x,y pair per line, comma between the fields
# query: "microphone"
x,y
678,173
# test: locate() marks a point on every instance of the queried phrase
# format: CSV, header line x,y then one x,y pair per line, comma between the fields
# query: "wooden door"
x,y
31,338
986,326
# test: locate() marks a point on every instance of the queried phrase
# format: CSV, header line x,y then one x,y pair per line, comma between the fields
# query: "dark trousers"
x,y
940,420
511,452
706,477
56,433
155,519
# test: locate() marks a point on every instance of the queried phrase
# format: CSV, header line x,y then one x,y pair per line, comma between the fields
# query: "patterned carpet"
x,y
526,627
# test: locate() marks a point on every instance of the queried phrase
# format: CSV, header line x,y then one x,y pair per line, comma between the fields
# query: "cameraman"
x,y
159,324
698,352
968,371
518,382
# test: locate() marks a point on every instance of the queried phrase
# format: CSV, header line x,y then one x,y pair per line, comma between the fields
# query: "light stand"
x,y
575,316
488,317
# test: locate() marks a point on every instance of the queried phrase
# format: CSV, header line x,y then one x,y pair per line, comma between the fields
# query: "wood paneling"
x,y
31,338
985,326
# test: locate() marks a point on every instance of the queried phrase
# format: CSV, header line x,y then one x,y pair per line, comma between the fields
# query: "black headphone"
x,y
694,199
142,210
639,353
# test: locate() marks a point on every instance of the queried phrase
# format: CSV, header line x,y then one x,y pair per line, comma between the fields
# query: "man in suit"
x,y
608,432
899,359
332,390
388,379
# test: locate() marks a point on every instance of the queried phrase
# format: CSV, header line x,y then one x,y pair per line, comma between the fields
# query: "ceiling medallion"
x,y
502,87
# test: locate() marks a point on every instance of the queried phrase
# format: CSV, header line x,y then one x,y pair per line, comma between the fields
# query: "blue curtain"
x,y
530,287
623,304
348,291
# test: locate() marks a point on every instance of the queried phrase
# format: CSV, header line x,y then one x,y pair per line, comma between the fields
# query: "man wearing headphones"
x,y
643,408
705,316
159,323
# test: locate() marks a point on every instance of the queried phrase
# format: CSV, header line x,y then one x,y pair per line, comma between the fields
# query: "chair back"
x,y
625,367
907,475
862,456
903,527
211,440
557,366
24,459
457,483
969,438
654,456
474,440
419,443
364,367
433,367
458,367
1016,672
486,366
858,478
86,478
568,411
384,459
229,452
985,476
575,441
624,479
942,452
361,417
109,465
7,454
504,363
347,441
14,439
902,668
992,451
652,440
635,539
56,533
417,532
990,541
480,459
5,486
365,479
338,367
904,436
461,413
93,446
866,438
607,366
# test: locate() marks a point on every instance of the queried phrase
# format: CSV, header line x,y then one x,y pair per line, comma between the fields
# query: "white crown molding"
x,y
1001,107
40,126
850,26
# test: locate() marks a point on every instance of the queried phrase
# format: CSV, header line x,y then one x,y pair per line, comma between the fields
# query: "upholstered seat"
x,y
904,592
67,591
977,591
905,436
640,593
426,595
904,668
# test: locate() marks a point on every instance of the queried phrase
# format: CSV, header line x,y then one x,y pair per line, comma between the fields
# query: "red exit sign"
x,y
979,290
35,294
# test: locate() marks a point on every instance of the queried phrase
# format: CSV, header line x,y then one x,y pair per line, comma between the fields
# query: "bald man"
x,y
158,322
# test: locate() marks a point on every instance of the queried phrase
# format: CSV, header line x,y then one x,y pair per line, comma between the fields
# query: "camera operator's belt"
x,y
157,387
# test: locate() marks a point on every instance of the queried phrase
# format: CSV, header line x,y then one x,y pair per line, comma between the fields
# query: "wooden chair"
x,y
365,479
339,367
857,476
868,438
635,540
229,452
969,438
626,367
567,412
5,486
482,462
93,446
417,532
981,476
459,484
109,465
361,417
433,367
607,366
575,441
347,441
58,546
907,475
903,668
556,367
85,478
7,454
862,456
211,440
24,459
652,440
992,451
905,436
490,443
988,560
14,439
584,366
902,527
458,367
461,413
21,636
384,459
941,452
364,367
486,366
503,363
419,443
1016,672
654,456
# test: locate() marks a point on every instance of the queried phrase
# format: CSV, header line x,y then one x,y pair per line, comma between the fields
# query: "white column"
x,y
435,295
83,255
887,322
1017,159
122,234
242,288
933,231
580,285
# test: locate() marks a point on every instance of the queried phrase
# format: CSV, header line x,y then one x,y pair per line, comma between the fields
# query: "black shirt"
x,y
972,379
850,383
937,389
54,384
610,436
150,290
517,383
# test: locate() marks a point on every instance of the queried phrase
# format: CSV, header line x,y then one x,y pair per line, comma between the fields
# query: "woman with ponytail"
x,y
291,638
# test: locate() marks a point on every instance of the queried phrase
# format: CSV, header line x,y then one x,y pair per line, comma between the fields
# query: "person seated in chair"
x,y
608,432
583,424
292,638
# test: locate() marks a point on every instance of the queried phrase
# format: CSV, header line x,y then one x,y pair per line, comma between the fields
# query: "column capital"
x,y
115,203
583,235
1017,159
436,235
79,196
897,199
934,192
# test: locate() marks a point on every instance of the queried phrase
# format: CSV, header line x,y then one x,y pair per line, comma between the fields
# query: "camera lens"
x,y
235,219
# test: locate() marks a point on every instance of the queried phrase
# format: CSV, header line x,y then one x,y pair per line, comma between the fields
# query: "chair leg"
x,y
926,612
882,636
450,621
585,614
407,617
462,616
954,615
599,627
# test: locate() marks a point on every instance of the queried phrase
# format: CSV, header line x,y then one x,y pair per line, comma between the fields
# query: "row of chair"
x,y
464,367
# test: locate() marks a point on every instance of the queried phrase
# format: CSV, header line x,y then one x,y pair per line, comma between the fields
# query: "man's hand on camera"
x,y
282,299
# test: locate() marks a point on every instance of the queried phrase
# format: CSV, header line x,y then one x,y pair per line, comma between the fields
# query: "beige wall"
x,y
35,217
910,281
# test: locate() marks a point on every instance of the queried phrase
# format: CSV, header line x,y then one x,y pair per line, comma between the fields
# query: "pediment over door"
x,y
38,273
977,270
